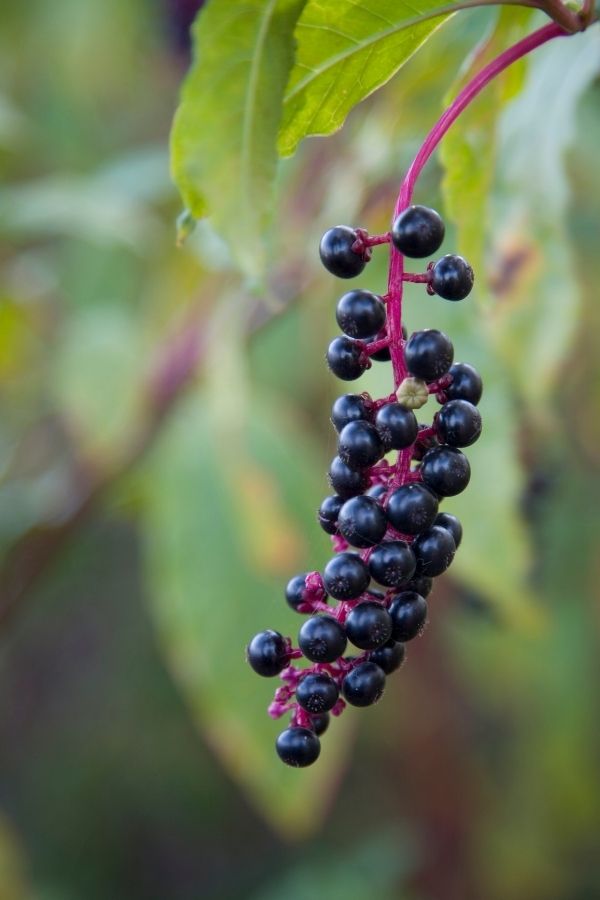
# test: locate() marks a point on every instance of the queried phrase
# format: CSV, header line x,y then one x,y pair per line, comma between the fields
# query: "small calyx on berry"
x,y
298,747
360,314
412,508
418,232
451,278
369,625
392,563
322,639
317,692
337,254
346,576
268,653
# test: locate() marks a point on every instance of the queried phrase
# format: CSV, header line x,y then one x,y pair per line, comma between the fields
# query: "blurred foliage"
x,y
135,752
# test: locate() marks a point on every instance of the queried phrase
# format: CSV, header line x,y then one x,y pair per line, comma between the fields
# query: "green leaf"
x,y
468,152
223,142
346,50
229,518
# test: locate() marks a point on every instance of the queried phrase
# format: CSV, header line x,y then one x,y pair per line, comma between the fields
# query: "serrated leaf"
x,y
223,142
224,528
468,151
345,51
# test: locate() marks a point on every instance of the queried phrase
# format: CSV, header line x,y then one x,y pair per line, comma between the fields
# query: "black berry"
x,y
389,657
319,723
452,277
298,747
349,408
397,426
408,612
451,524
346,576
360,314
359,445
377,491
346,359
421,584
466,383
429,354
294,592
392,563
328,513
317,692
344,481
362,521
364,684
268,653
434,551
418,232
383,355
458,423
412,508
337,254
322,639
445,470
368,625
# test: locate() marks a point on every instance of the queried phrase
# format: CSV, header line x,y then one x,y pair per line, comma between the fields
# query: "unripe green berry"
x,y
413,393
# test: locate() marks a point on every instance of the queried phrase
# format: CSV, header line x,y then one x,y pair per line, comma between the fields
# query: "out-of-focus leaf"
x,y
468,152
225,525
223,142
345,51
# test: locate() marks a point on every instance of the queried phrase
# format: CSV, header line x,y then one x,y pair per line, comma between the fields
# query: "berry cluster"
x,y
389,537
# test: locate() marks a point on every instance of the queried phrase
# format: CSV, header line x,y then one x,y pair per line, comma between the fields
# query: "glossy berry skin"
x,y
328,513
317,692
268,653
319,723
408,612
397,426
346,576
322,639
428,354
389,657
348,408
345,481
359,445
458,423
383,355
452,278
337,254
368,625
466,383
294,592
434,551
362,521
345,358
451,524
418,232
446,470
360,314
392,563
377,491
421,584
298,747
412,508
364,685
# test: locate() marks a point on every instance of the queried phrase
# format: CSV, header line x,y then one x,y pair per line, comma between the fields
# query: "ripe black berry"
x,y
412,508
408,611
389,657
397,426
322,639
345,358
294,592
368,625
360,314
458,423
383,355
319,723
377,491
348,408
364,685
466,383
298,747
445,470
317,692
421,584
451,524
362,521
452,277
268,653
337,254
359,445
344,481
434,551
392,563
429,354
418,231
329,511
346,576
